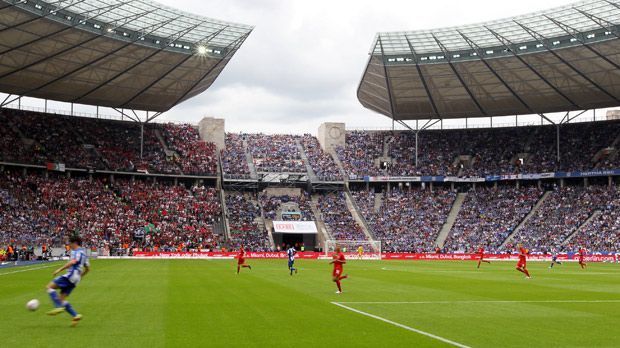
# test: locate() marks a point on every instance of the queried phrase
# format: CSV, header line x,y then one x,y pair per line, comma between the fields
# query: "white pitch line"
x,y
439,338
483,301
26,270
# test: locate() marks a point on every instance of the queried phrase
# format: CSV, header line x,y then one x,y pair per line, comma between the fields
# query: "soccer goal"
x,y
371,249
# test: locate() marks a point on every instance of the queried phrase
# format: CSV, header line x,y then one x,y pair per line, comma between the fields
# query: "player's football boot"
x,y
76,320
55,311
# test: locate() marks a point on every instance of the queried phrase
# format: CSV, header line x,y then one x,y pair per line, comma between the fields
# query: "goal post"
x,y
371,249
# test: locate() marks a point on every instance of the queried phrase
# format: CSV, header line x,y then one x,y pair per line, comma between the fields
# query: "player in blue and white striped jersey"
x,y
291,252
77,267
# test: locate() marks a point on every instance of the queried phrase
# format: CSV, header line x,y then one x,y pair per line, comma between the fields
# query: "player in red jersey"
x,y
241,260
522,264
481,256
338,261
582,255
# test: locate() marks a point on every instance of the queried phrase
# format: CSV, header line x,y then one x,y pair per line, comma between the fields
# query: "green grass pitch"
x,y
199,303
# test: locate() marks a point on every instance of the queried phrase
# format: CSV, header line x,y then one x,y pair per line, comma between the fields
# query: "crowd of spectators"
x,y
488,216
234,158
561,214
275,153
298,207
358,156
143,214
78,142
406,220
602,233
475,152
197,157
244,217
321,162
338,218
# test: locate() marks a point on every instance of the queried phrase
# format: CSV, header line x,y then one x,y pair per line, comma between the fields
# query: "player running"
x,y
360,252
554,258
291,252
241,260
78,266
481,256
582,255
522,264
338,262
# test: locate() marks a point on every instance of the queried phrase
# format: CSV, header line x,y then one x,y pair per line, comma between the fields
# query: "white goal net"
x,y
363,249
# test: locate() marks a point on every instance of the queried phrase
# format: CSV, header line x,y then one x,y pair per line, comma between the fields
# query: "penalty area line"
x,y
424,333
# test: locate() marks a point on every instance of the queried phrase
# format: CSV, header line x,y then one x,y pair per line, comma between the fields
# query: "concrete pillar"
x,y
389,187
212,130
331,134
367,186
585,182
68,174
176,181
610,181
495,185
518,184
24,172
431,186
111,178
561,183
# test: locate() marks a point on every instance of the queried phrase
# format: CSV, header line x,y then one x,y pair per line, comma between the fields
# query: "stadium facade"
x,y
559,60
125,54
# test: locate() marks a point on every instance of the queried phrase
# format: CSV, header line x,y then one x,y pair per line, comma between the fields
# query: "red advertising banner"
x,y
386,256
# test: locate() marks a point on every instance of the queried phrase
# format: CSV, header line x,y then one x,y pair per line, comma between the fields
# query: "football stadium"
x,y
486,215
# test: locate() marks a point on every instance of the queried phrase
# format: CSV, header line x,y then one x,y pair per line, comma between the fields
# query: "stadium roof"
x,y
132,54
563,59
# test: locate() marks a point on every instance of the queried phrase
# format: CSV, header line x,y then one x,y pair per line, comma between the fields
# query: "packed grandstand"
x,y
129,185
169,200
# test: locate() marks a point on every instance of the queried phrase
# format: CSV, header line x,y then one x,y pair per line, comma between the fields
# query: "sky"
x,y
301,65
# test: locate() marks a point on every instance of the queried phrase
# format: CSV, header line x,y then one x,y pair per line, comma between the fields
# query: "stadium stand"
x,y
275,153
488,216
245,222
338,217
197,157
234,159
562,213
274,210
406,221
321,162
38,138
142,214
473,152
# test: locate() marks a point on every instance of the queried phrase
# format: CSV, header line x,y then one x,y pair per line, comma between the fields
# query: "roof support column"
x,y
416,132
557,139
141,139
